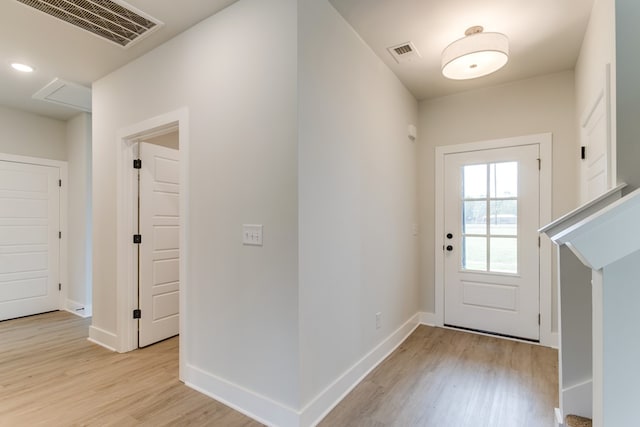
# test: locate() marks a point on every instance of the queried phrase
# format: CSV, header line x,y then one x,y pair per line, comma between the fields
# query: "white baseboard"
x,y
324,402
427,318
253,405
78,309
103,338
272,413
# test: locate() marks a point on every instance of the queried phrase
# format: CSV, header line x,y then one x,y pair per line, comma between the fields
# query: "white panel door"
x,y
595,138
29,242
159,252
491,241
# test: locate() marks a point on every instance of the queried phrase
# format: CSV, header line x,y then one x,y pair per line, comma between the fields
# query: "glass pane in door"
x,y
474,253
490,217
504,255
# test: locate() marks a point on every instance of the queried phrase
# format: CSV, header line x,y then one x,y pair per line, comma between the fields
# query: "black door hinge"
x,y
583,152
137,238
59,286
137,164
59,183
137,313
59,234
538,319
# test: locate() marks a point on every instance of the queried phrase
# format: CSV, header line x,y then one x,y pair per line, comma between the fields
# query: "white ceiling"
x,y
545,36
58,49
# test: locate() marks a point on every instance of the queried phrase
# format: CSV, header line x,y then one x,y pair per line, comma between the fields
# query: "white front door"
x,y
491,218
29,240
159,253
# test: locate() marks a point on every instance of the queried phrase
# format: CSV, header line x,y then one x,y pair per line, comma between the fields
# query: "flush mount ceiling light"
x,y
22,67
475,55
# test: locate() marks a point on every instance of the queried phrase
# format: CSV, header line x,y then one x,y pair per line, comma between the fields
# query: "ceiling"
x,y
545,36
59,50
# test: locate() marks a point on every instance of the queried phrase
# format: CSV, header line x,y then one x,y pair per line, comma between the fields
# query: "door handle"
x,y
449,248
449,236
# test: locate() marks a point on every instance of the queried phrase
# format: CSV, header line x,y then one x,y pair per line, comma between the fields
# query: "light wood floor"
x,y
446,378
51,375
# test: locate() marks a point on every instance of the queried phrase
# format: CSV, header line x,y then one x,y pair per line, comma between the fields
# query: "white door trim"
x,y
62,166
547,337
127,285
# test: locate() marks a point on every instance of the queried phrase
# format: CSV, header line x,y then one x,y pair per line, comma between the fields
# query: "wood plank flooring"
x,y
441,378
51,375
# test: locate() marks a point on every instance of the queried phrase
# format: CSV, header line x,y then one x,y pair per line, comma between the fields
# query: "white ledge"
x,y
584,211
607,235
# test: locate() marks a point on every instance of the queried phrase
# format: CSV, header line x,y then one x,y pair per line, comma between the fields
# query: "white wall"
x,y
537,105
79,223
28,134
628,92
236,74
358,198
598,49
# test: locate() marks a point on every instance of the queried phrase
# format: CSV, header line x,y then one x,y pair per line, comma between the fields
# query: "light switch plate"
x,y
252,234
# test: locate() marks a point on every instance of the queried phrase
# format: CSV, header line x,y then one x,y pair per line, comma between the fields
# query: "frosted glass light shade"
x,y
475,56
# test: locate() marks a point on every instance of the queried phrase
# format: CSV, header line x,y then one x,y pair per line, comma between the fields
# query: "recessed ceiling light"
x,y
22,67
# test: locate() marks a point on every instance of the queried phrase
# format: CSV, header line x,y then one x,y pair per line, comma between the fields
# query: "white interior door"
x,y
29,240
491,218
159,252
595,139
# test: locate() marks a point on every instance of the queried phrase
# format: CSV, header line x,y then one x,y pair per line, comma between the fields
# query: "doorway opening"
x,y
157,239
493,274
169,230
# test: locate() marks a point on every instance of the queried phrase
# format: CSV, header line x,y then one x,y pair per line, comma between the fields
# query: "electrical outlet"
x,y
378,320
252,234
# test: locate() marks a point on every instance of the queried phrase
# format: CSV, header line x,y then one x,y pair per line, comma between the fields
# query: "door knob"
x,y
449,248
449,236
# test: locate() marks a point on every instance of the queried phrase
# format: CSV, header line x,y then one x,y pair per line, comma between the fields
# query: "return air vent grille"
x,y
114,21
403,49
405,52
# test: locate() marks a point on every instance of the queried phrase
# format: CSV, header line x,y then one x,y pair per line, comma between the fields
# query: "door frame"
x,y
63,274
545,141
127,268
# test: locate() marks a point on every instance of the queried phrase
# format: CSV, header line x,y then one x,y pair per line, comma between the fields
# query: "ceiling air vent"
x,y
113,20
405,52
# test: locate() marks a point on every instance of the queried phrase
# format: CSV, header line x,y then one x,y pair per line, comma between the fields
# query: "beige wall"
x,y
242,301
538,105
628,92
357,197
169,140
28,134
79,224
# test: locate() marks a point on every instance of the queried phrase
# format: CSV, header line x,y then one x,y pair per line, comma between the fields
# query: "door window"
x,y
490,217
